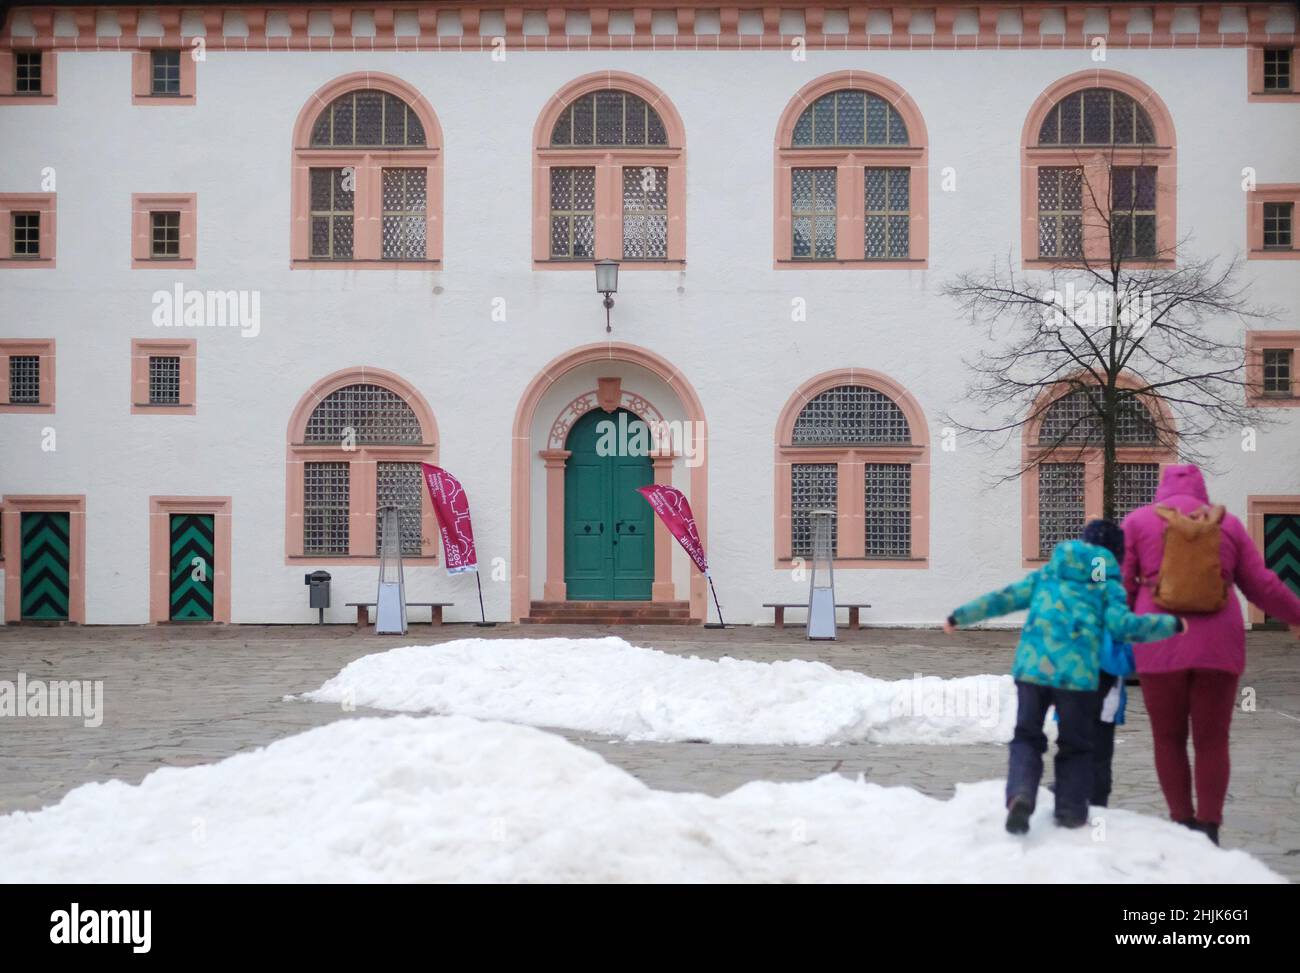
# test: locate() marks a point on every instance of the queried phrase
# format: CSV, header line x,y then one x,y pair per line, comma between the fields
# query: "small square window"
x,y
165,235
26,234
27,73
24,379
1278,371
165,72
1277,225
164,380
1277,69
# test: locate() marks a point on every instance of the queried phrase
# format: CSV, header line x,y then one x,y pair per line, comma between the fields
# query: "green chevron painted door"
x,y
46,537
192,567
1282,548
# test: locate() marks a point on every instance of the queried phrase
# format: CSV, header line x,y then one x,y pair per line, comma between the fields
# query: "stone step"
x,y
606,620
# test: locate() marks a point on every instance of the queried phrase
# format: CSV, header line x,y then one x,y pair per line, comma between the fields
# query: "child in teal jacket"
x,y
1073,601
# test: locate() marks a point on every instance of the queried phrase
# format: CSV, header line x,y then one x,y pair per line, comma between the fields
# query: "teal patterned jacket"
x,y
1071,600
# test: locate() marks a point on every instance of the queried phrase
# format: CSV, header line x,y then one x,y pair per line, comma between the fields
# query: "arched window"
x,y
1064,462
855,442
609,176
356,442
367,178
851,176
1098,175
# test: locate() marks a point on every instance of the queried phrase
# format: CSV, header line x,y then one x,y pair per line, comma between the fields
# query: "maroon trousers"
x,y
1205,699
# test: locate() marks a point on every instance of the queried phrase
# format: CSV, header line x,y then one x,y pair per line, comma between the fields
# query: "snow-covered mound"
x,y
407,799
609,687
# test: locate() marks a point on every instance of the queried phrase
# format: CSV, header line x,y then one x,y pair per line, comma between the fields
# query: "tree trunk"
x,y
1109,468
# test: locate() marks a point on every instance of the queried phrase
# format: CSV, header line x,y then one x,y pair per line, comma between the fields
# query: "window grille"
x,y
1135,486
1097,116
368,118
26,234
813,486
1060,504
27,73
1060,211
1277,225
404,213
645,212
325,508
887,221
1072,420
852,118
164,380
1277,371
363,414
573,212
165,72
25,379
849,415
400,485
1133,211
165,234
331,212
609,118
888,497
1277,69
813,215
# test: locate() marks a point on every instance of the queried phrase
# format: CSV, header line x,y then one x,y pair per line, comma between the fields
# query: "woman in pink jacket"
x,y
1192,678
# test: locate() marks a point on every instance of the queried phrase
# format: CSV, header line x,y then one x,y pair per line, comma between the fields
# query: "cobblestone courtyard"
x,y
185,696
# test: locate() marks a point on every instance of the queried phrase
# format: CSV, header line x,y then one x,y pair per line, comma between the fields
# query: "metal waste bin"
x,y
318,584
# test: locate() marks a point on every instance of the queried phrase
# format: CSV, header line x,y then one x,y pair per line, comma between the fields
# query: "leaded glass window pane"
x,y
1277,69
399,485
813,486
24,379
1097,116
645,213
165,234
1060,211
1135,486
850,415
612,118
26,234
325,508
813,213
331,212
165,72
164,380
573,212
1133,211
888,497
1073,420
27,73
887,205
363,414
1060,504
404,214
852,118
368,117
1277,225
1278,371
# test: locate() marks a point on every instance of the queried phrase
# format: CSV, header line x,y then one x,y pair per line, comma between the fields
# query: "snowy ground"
x,y
454,799
607,686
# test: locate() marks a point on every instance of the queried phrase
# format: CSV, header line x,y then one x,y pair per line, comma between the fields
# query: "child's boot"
x,y
1018,813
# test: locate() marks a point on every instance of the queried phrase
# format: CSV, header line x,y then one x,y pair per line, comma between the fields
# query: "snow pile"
x,y
609,687
404,799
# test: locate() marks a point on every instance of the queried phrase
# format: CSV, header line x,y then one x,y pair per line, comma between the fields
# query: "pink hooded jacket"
x,y
1212,641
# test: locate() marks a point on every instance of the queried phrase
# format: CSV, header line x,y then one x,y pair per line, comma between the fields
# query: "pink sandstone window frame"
x,y
1094,161
160,511
369,163
1277,192
850,163
44,347
850,460
143,206
609,163
363,461
1257,506
142,73
1256,344
12,507
1255,92
49,78
47,205
142,349
1090,457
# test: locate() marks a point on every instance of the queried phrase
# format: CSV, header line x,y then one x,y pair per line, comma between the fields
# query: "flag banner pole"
x,y
482,614
721,623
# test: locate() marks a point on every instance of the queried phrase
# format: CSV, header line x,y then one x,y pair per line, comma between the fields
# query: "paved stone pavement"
x,y
179,696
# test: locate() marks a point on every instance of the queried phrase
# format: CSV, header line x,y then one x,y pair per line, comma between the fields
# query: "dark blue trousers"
x,y
1077,712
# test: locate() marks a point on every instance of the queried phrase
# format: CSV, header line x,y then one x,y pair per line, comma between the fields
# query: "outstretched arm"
x,y
1012,598
1125,626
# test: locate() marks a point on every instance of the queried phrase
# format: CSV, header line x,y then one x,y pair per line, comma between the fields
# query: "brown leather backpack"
x,y
1191,576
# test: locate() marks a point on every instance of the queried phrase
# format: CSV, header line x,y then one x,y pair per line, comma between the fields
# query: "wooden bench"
x,y
435,609
779,608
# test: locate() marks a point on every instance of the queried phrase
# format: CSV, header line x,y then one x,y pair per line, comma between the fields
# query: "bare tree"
x,y
1115,319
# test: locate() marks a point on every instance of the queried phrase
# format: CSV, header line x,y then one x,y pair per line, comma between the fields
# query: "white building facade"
x,y
262,260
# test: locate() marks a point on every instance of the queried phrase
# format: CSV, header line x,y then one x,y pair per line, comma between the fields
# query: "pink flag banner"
x,y
672,508
451,505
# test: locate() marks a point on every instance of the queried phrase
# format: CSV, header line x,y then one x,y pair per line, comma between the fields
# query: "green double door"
x,y
1282,548
608,526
